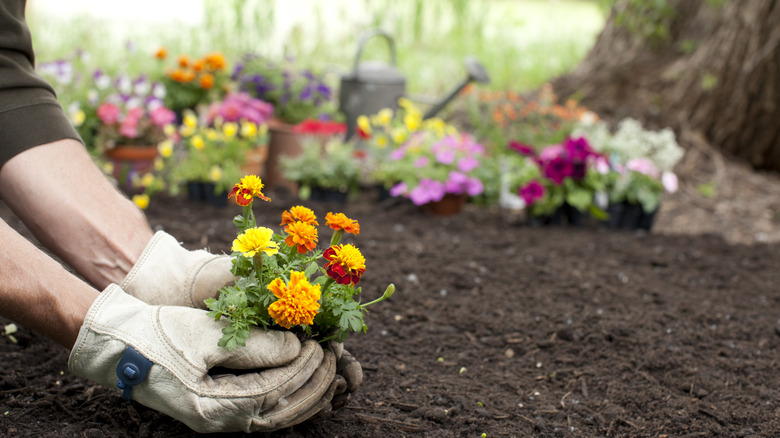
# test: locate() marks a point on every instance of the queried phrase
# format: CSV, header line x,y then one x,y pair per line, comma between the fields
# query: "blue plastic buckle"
x,y
132,370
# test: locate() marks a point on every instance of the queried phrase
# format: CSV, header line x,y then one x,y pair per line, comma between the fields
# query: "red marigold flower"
x,y
345,264
299,213
338,221
303,235
250,187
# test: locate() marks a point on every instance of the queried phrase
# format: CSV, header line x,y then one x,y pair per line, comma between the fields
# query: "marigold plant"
x,y
284,282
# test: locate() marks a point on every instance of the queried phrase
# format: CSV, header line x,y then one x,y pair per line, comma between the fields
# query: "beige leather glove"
x,y
162,356
166,273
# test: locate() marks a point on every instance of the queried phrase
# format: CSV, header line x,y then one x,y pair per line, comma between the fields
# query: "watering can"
x,y
374,85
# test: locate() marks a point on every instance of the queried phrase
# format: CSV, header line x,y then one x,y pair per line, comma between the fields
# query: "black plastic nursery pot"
x,y
566,214
629,216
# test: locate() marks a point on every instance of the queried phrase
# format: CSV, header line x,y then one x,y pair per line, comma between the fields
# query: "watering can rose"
x,y
284,282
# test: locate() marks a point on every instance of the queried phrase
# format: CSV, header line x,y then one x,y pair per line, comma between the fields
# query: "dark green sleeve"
x,y
30,114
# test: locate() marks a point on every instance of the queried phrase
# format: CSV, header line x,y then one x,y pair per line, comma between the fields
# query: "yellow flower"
x,y
250,187
436,125
215,174
298,300
169,130
165,148
197,142
399,135
78,117
147,179
248,129
405,103
383,117
345,264
412,121
212,134
364,124
158,164
381,141
142,201
230,129
186,131
108,168
190,119
255,240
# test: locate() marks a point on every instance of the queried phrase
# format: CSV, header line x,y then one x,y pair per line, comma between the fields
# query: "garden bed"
x,y
495,328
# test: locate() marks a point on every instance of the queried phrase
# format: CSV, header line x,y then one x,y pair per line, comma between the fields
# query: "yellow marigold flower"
x,y
230,129
302,235
338,221
248,129
364,124
298,300
215,174
165,148
299,213
399,135
142,201
197,142
147,179
255,240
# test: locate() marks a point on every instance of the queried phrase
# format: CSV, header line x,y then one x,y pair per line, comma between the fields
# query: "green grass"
x,y
522,43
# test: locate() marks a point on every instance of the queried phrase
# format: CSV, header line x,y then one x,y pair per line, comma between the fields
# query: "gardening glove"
x,y
349,369
161,356
166,273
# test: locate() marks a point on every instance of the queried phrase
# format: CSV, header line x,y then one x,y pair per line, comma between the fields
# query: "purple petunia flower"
x,y
558,169
427,190
522,149
531,192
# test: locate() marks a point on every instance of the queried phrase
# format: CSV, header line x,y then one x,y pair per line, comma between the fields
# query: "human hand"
x,y
168,274
286,382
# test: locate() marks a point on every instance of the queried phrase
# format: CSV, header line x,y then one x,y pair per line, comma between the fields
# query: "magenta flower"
x,y
398,189
522,149
108,113
551,152
240,106
558,169
577,149
531,192
644,166
421,162
427,190
467,164
162,116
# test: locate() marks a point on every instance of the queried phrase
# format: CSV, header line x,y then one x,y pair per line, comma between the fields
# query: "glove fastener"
x,y
132,369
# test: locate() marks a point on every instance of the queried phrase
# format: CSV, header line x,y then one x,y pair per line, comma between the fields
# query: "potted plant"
x,y
207,157
190,83
559,183
328,169
641,163
284,282
132,121
297,94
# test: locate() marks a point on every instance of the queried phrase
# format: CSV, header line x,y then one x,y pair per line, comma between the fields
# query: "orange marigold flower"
x,y
206,81
299,213
198,65
161,53
338,221
250,187
215,61
345,263
184,61
298,300
302,235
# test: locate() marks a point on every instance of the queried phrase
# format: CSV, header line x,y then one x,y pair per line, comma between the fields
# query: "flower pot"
x,y
129,162
282,142
629,216
565,214
214,198
450,204
254,161
324,194
196,191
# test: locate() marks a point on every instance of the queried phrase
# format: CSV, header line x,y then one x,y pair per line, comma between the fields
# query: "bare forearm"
x,y
73,210
38,293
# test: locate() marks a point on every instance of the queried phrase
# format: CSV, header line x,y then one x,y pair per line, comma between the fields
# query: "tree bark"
x,y
727,87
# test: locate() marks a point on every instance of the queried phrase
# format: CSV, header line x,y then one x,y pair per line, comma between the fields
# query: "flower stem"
x,y
336,238
257,263
388,293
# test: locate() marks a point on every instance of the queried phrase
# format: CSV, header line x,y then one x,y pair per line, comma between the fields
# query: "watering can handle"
x,y
368,35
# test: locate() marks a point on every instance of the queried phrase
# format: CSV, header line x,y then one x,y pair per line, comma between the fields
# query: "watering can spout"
x,y
476,73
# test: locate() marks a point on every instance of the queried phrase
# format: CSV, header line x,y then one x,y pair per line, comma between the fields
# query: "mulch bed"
x,y
496,328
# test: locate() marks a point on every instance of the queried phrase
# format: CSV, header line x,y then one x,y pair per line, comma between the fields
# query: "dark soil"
x,y
497,329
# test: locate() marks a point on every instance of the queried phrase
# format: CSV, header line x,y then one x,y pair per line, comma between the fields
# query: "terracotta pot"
x,y
255,159
282,142
450,204
130,161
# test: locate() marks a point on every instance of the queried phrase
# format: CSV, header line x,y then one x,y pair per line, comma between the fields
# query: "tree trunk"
x,y
726,86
